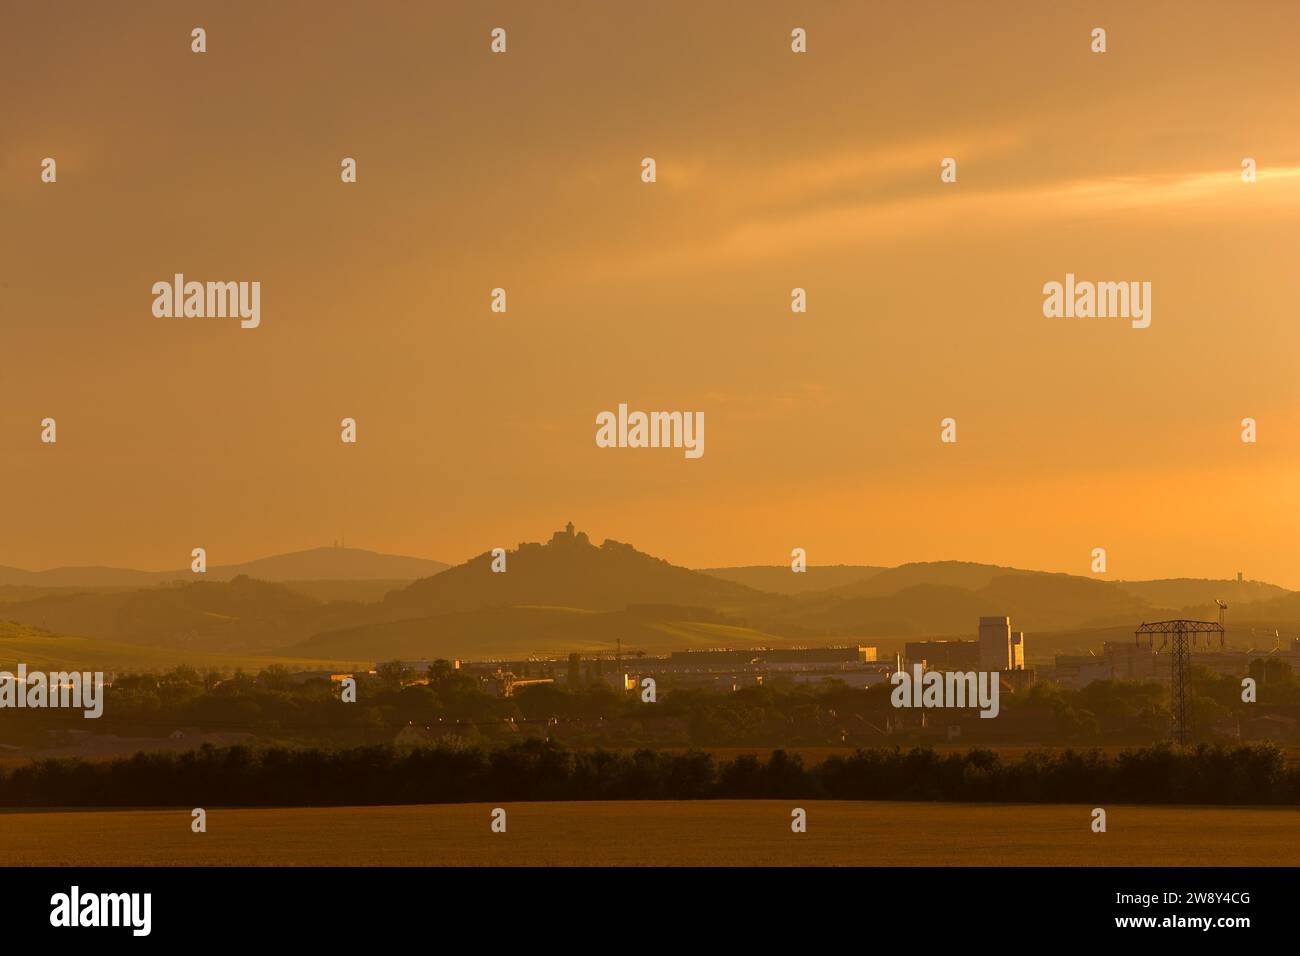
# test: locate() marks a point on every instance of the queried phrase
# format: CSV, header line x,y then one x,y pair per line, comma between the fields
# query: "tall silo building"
x,y
995,643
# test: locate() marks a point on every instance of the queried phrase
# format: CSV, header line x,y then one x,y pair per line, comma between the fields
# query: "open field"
x,y
646,833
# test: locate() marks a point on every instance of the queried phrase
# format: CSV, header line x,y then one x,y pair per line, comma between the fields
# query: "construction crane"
x,y
1181,637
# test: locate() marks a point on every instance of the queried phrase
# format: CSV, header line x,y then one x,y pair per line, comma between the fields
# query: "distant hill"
x,y
1200,592
40,649
932,597
920,609
332,564
568,571
248,615
1049,601
366,591
315,564
242,615
1284,608
569,594
780,579
965,575
948,598
87,577
515,632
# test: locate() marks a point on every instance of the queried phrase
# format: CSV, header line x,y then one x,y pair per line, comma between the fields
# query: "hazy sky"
x,y
775,170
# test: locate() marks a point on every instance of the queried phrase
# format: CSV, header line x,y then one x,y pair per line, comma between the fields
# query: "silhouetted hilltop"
x,y
568,571
614,591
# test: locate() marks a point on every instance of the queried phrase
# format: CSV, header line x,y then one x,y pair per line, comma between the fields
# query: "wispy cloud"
x,y
728,231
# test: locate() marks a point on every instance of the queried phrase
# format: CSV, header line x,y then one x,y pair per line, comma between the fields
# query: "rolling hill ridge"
x,y
314,564
568,593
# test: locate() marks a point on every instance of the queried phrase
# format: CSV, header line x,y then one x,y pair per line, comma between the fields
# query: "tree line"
x,y
537,770
274,707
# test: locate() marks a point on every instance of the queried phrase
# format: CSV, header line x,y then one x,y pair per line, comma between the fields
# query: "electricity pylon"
x,y
1181,637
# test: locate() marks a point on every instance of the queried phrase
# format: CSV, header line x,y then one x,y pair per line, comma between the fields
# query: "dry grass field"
x,y
740,832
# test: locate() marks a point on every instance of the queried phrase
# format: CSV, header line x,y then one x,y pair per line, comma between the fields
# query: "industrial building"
x,y
791,657
1129,661
731,669
998,648
943,655
1080,670
1121,660
995,644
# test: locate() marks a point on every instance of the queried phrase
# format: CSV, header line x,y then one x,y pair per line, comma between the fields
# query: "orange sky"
x,y
775,170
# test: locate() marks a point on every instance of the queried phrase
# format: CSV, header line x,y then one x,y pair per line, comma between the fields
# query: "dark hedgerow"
x,y
535,770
